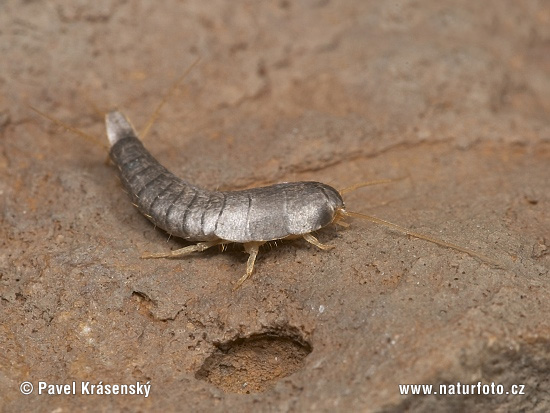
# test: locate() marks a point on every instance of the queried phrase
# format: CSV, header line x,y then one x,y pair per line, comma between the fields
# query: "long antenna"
x,y
421,236
363,184
168,94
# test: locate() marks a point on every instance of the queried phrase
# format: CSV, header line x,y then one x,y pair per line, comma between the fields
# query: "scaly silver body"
x,y
196,214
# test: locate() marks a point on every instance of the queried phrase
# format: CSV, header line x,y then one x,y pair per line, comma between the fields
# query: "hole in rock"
x,y
253,364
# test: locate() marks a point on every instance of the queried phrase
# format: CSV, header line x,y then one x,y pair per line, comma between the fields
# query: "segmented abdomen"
x,y
178,207
196,214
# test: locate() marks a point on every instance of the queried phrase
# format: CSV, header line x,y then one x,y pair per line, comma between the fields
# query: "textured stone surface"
x,y
453,96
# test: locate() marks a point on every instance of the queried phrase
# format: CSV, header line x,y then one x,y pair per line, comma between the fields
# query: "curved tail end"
x,y
118,127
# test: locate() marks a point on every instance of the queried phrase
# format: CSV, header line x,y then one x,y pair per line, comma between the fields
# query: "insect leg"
x,y
251,248
201,246
312,240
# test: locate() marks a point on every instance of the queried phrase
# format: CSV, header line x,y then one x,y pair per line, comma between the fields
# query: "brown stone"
x,y
454,97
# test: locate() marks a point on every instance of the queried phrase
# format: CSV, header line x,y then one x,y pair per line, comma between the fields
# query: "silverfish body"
x,y
251,216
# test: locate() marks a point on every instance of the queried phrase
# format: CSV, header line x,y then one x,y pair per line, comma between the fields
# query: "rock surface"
x,y
454,97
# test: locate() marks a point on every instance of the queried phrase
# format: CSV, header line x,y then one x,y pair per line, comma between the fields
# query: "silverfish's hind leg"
x,y
201,246
312,240
252,248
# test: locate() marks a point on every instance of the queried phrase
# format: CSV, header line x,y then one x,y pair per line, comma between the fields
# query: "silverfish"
x,y
251,217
